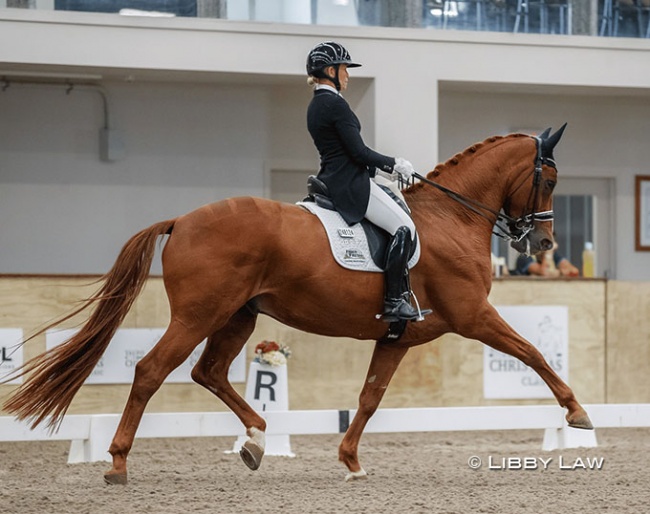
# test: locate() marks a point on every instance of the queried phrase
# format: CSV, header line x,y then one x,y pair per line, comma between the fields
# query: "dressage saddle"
x,y
378,238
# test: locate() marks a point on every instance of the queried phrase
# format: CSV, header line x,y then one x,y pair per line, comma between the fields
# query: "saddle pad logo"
x,y
354,256
346,233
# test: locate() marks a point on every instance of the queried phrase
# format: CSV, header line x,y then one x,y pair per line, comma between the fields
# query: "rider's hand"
x,y
404,168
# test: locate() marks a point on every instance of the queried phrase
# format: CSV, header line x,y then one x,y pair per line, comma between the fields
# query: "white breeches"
x,y
384,212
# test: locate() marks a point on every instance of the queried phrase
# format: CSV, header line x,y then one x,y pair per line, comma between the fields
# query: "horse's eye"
x,y
550,184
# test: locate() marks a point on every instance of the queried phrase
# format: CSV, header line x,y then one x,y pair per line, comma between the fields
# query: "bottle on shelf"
x,y
588,260
549,263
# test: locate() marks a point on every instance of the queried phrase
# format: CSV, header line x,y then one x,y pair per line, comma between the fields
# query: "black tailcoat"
x,y
346,163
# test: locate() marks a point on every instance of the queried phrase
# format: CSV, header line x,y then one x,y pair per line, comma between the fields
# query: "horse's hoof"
x,y
251,453
115,478
356,475
582,421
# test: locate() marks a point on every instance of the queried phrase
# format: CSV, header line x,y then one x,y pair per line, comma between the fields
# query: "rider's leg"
x,y
397,298
385,213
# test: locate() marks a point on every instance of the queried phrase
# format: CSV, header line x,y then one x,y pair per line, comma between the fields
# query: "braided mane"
x,y
456,159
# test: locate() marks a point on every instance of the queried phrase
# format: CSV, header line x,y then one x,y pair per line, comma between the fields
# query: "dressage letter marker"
x,y
11,355
259,384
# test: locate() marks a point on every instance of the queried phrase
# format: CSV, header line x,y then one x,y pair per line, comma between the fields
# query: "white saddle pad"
x,y
349,244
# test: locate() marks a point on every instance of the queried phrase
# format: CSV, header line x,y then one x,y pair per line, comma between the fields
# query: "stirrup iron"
x,y
392,316
421,313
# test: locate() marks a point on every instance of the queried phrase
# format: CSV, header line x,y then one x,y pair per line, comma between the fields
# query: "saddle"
x,y
361,246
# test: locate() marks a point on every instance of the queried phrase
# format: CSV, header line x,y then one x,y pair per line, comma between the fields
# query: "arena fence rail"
x,y
91,434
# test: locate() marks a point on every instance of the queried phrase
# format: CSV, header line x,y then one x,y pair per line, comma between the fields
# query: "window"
x,y
177,7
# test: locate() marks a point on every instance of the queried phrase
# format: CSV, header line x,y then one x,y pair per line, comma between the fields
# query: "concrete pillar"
x,y
584,17
413,134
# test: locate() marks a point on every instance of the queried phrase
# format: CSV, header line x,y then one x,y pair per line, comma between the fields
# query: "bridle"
x,y
506,227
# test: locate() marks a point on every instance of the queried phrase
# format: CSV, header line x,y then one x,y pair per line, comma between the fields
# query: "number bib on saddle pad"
x,y
360,247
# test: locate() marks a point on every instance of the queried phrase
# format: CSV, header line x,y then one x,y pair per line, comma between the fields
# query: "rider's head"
x,y
328,62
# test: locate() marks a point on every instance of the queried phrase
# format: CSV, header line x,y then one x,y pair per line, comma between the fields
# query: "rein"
x,y
506,227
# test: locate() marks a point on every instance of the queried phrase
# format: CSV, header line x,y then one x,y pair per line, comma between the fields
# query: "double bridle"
x,y
506,227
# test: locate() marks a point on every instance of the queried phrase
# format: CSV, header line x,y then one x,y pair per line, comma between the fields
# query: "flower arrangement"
x,y
271,353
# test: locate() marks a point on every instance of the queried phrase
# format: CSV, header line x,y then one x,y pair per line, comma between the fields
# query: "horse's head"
x,y
531,200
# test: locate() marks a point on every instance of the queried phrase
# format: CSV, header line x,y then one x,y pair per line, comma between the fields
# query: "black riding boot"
x,y
397,304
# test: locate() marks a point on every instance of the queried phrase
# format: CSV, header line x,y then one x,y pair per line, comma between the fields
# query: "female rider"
x,y
347,166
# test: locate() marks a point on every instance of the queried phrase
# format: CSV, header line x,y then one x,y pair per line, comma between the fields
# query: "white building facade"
x,y
109,123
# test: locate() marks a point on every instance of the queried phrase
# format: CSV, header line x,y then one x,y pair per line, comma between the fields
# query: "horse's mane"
x,y
459,157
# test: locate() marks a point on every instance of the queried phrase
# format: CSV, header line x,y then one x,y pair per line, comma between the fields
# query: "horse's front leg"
x,y
383,364
496,333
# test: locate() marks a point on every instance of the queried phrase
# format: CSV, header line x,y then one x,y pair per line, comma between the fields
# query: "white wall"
x,y
290,145
65,211
215,105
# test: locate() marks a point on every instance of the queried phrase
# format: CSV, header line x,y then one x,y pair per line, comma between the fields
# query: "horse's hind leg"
x,y
383,364
173,348
211,371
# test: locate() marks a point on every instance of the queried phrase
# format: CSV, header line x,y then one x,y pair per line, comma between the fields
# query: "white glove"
x,y
404,168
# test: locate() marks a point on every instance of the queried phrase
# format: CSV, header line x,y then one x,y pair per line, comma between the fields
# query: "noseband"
x,y
506,227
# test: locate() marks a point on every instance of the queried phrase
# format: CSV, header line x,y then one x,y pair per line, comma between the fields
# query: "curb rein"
x,y
506,227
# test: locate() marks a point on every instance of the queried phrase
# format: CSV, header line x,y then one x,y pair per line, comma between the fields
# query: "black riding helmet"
x,y
327,54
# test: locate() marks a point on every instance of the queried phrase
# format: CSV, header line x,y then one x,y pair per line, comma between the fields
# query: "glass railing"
x,y
607,18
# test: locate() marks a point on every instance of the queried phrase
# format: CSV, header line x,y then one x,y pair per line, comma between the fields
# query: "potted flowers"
x,y
271,353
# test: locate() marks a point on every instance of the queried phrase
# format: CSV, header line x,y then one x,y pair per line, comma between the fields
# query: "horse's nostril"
x,y
546,244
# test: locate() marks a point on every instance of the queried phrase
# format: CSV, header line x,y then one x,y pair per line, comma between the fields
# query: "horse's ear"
x,y
545,134
552,141
549,142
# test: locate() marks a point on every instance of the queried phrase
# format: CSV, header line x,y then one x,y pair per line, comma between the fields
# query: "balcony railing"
x,y
606,18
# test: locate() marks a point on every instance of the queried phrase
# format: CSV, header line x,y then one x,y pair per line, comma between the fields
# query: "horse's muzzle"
x,y
531,245
545,245
522,246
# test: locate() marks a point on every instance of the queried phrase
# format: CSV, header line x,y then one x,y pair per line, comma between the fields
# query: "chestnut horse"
x,y
227,262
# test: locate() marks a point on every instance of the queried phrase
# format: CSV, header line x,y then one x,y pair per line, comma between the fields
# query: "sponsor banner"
x,y
547,328
11,354
128,346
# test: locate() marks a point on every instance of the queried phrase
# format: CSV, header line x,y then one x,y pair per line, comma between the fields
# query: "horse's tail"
x,y
54,377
